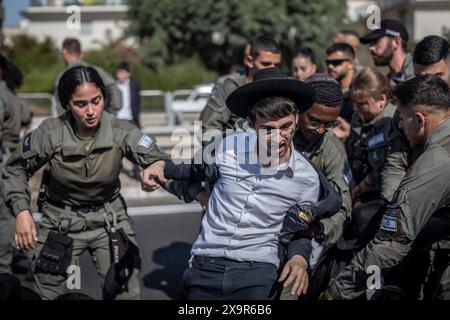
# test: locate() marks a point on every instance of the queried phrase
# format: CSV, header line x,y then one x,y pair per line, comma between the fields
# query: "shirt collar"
x,y
441,131
103,138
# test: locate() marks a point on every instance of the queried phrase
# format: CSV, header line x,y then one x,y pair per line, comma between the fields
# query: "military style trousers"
x,y
7,223
89,231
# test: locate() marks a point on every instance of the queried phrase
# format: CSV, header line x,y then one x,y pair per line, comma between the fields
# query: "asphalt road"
x,y
165,241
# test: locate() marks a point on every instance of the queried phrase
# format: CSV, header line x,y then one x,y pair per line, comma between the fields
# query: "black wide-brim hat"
x,y
270,82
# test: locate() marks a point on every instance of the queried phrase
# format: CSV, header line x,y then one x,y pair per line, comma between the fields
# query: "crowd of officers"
x,y
395,211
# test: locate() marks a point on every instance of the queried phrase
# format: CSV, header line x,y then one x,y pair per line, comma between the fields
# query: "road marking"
x,y
164,209
153,210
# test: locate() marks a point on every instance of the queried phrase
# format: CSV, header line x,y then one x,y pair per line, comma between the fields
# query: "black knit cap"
x,y
327,90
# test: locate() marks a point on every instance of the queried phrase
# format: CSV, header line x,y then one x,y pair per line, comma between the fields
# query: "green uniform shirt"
x,y
406,73
113,94
379,150
6,111
424,190
76,177
3,111
329,156
12,124
216,117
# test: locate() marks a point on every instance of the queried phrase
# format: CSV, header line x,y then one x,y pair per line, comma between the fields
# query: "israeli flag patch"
x,y
348,176
145,141
389,221
375,141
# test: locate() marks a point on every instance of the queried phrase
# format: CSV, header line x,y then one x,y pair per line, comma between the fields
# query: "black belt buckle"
x,y
87,209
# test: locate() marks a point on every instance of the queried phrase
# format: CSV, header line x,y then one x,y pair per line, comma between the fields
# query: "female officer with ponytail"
x,y
80,195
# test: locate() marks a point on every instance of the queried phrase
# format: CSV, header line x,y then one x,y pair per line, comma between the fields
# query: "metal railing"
x,y
44,104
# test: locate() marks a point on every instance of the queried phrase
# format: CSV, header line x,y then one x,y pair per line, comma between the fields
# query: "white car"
x,y
195,102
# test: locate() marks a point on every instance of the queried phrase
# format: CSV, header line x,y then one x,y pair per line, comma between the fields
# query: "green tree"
x,y
172,30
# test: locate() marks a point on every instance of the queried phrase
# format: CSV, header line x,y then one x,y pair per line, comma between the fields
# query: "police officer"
x,y
216,117
316,140
388,47
19,116
6,221
72,56
423,192
377,151
431,57
80,199
341,66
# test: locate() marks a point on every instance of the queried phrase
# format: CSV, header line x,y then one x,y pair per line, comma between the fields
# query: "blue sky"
x,y
12,9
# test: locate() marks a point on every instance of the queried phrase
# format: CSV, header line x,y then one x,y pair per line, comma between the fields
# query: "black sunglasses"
x,y
336,62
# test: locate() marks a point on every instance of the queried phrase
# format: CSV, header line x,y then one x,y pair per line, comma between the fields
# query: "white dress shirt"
x,y
125,112
249,202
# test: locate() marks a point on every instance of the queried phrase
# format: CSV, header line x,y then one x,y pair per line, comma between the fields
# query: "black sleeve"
x,y
191,172
300,246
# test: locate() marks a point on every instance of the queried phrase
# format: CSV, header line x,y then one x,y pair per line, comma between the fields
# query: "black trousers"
x,y
224,279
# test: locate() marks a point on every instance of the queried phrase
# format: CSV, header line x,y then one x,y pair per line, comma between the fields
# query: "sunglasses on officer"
x,y
336,62
315,123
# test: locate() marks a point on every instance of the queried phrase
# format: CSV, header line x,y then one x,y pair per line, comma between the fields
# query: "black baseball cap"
x,y
388,27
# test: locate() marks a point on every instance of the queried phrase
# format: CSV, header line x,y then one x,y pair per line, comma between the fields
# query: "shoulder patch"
x,y
376,141
348,176
145,141
26,144
389,221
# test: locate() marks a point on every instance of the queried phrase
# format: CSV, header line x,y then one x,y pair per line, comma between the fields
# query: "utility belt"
x,y
81,218
56,254
86,209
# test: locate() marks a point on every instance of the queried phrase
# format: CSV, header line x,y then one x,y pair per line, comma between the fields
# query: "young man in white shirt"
x,y
258,177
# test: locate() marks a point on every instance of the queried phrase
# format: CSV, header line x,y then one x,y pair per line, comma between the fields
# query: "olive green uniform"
x,y
13,124
423,191
406,73
216,117
379,150
329,156
83,186
113,94
10,126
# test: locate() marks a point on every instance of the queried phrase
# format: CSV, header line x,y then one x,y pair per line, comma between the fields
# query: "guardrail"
x,y
44,104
